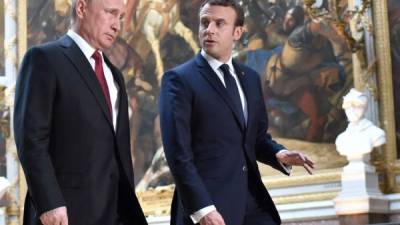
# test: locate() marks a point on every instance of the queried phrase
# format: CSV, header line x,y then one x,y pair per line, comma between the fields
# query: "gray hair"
x,y
73,9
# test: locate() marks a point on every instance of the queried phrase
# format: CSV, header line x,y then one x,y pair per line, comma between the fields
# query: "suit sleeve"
x,y
266,147
35,95
175,119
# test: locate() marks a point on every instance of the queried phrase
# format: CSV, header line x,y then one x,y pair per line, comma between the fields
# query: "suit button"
x,y
244,168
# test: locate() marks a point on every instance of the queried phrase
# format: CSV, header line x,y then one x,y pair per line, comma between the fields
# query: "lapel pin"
x,y
242,73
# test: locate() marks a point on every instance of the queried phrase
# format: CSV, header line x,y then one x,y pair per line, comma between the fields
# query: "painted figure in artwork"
x,y
154,18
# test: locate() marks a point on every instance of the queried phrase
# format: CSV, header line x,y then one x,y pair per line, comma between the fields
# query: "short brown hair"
x,y
227,3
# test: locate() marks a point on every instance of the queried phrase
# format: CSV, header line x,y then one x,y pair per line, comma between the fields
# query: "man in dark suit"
x,y
214,128
71,126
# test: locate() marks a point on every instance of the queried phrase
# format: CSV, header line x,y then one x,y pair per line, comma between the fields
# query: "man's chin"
x,y
107,45
210,52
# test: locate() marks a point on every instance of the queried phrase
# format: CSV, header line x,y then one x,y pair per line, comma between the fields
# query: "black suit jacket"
x,y
66,142
207,147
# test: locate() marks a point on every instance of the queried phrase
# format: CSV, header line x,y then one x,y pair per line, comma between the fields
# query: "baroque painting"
x,y
304,65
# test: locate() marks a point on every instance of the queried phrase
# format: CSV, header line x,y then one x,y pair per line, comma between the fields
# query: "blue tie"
x,y
232,89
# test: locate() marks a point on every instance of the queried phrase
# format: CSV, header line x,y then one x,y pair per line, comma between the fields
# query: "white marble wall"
x,y
308,213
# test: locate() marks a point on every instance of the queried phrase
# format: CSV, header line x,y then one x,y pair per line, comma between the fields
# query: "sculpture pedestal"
x,y
366,218
360,200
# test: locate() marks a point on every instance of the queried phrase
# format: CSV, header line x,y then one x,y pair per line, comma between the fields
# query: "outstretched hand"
x,y
293,158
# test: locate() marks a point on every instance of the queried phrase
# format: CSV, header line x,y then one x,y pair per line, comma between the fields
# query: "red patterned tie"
x,y
98,69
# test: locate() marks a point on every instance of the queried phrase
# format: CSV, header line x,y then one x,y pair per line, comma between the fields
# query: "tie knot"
x,y
225,68
96,56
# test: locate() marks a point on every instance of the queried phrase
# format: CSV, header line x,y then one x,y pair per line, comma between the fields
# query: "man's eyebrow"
x,y
112,9
219,20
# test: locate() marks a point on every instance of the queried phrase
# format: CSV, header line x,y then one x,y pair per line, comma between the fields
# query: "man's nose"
x,y
116,25
210,29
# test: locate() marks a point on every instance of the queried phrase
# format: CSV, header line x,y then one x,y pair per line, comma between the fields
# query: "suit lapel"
x,y
208,73
122,117
115,72
78,59
246,87
118,78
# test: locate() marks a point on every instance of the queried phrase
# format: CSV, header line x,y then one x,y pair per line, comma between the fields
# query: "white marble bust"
x,y
361,135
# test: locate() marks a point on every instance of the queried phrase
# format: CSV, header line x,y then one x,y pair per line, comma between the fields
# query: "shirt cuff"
x,y
287,168
198,215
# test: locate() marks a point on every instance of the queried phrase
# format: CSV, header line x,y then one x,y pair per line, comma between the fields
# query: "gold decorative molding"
x,y
9,9
156,202
393,173
385,95
322,196
22,32
13,210
328,177
9,96
335,17
22,29
13,222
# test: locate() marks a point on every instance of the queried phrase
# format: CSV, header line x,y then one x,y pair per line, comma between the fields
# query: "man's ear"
x,y
81,6
237,32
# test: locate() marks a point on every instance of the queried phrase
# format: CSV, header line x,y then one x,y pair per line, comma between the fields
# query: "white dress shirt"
x,y
215,64
113,87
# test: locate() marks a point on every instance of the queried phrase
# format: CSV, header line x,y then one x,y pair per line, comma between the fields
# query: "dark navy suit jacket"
x,y
208,147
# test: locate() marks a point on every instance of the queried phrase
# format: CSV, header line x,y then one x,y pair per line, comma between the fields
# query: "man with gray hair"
x,y
71,125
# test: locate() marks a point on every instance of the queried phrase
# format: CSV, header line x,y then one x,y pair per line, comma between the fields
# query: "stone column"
x,y
10,43
11,60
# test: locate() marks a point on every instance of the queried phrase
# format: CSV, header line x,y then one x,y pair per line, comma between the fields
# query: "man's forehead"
x,y
113,3
217,12
212,16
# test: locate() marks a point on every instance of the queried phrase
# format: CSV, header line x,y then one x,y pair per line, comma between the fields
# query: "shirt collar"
x,y
82,44
215,63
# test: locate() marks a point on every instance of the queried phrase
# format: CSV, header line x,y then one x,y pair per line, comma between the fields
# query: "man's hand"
x,y
57,216
293,158
213,218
